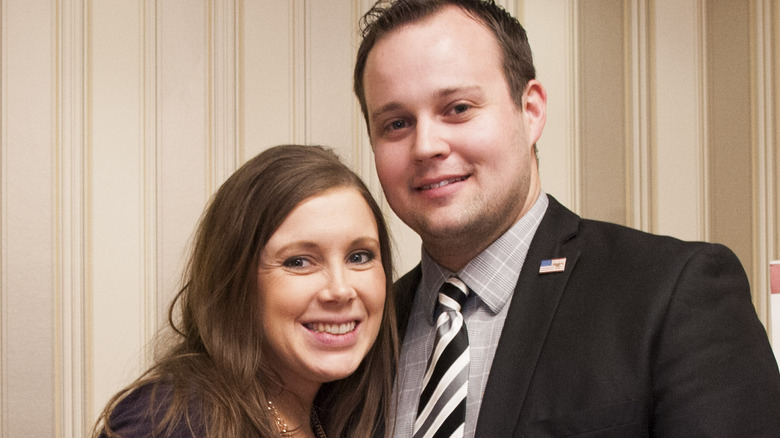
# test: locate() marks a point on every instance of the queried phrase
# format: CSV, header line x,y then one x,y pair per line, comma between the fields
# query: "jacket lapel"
x,y
405,289
529,317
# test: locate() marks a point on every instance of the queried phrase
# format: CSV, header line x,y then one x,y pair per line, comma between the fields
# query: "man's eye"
x,y
397,124
361,257
296,262
460,108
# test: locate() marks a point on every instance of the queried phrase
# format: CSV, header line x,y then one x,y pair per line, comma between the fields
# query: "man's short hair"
x,y
388,15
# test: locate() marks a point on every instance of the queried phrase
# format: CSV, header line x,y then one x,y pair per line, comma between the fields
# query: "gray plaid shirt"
x,y
492,277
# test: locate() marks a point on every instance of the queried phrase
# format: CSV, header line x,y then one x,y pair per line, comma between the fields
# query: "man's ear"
x,y
534,109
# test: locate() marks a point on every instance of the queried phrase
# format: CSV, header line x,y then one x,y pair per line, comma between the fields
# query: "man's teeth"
x,y
442,183
333,329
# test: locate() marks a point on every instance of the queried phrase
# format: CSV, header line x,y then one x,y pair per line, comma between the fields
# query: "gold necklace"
x,y
285,430
281,424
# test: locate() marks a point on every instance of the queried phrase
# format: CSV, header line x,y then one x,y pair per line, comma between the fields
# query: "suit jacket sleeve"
x,y
714,371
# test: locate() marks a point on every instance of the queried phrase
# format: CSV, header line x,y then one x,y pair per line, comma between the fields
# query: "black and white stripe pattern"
x,y
442,408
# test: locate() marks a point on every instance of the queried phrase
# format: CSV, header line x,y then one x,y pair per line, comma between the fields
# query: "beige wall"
x,y
120,118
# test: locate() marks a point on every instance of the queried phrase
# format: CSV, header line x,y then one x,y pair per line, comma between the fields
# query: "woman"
x,y
285,324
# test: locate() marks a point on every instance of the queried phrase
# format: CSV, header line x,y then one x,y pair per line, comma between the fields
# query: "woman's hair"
x,y
215,374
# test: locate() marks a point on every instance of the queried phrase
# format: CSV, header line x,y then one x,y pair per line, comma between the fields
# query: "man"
x,y
573,326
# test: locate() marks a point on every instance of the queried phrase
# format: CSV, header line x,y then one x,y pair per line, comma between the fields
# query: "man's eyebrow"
x,y
446,92
392,106
443,93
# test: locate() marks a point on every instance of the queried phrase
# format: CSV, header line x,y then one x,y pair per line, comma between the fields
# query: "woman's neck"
x,y
291,412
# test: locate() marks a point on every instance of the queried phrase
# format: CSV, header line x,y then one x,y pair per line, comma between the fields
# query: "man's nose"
x,y
429,141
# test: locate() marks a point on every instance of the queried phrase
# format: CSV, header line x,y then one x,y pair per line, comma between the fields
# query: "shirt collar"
x,y
492,275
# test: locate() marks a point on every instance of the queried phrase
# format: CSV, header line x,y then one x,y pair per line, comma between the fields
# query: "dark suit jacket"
x,y
641,335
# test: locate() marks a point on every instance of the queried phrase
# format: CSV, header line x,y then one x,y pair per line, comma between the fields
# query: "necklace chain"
x,y
285,430
281,424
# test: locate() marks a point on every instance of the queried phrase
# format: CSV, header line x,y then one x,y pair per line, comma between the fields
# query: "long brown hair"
x,y
213,374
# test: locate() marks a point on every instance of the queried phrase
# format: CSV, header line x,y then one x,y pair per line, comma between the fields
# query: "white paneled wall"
x,y
553,40
119,119
31,273
678,111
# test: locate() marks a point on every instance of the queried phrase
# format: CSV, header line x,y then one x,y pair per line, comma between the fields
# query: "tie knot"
x,y
453,294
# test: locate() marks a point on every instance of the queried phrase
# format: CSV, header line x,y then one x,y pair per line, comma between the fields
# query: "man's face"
x,y
453,152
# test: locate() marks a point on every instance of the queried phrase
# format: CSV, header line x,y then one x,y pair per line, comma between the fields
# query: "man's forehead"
x,y
446,13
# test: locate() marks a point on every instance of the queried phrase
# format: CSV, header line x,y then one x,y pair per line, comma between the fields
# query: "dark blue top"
x,y
133,418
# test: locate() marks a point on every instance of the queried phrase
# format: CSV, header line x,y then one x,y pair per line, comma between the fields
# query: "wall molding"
x,y
701,122
764,95
574,74
4,221
72,297
299,83
151,160
223,91
639,121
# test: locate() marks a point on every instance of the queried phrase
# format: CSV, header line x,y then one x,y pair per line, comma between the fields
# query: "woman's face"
x,y
322,289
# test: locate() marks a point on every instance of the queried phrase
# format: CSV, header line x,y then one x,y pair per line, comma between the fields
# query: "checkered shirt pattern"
x,y
492,277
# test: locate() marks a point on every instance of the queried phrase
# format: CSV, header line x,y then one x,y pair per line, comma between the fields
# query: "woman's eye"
x,y
361,257
296,262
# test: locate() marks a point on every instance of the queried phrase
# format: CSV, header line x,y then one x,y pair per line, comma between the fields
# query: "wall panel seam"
x,y
150,196
763,116
639,122
298,82
650,177
60,415
3,224
307,73
701,122
575,132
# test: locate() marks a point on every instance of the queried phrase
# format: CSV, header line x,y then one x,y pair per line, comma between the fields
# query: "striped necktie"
x,y
442,408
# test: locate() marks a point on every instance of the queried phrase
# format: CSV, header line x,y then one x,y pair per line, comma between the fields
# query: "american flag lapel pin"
x,y
552,265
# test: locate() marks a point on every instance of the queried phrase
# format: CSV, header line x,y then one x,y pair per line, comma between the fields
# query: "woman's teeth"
x,y
333,329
